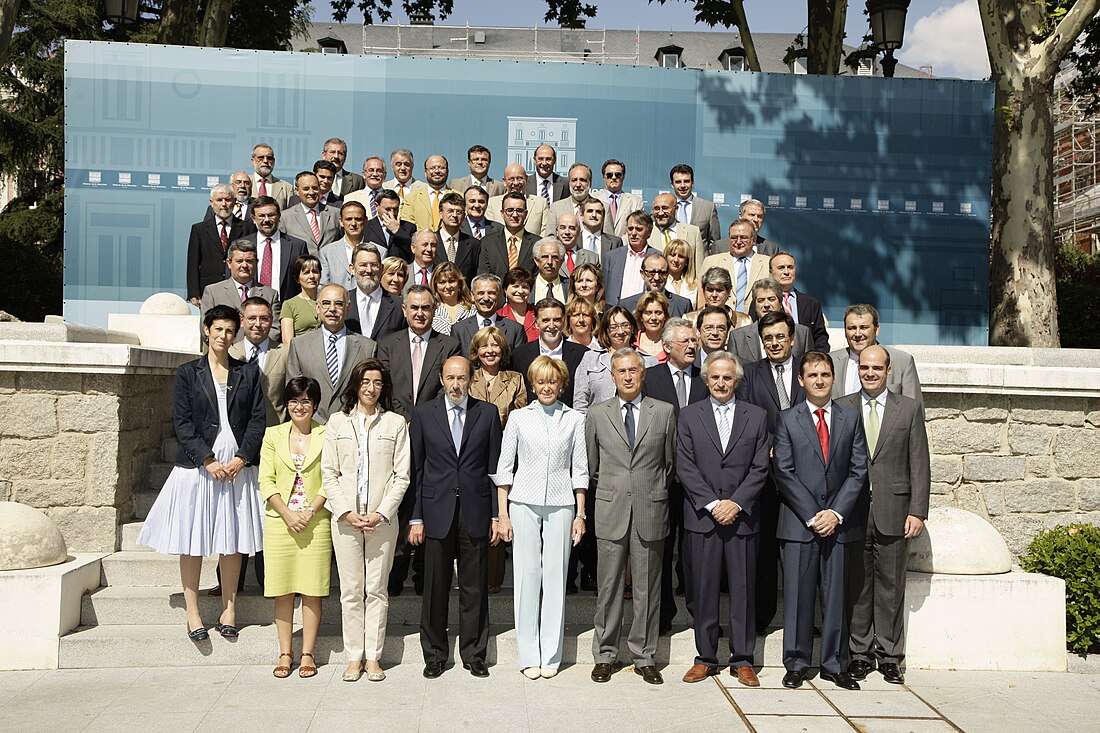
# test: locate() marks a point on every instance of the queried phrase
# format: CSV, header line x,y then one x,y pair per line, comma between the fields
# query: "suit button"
x,y
823,497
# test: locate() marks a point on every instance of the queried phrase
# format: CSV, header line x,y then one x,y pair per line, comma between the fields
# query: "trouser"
x,y
645,560
716,555
363,561
808,566
876,597
541,539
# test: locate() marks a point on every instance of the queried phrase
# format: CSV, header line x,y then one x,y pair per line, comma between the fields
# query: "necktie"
x,y
546,191
423,276
742,282
265,266
332,360
401,191
237,210
724,426
781,387
314,226
223,234
513,253
263,187
872,426
593,243
456,427
255,358
486,323
681,389
366,325
569,263
668,236
614,207
682,212
417,363
822,433
435,211
628,422
373,204
787,302
477,230
244,292
550,291
452,248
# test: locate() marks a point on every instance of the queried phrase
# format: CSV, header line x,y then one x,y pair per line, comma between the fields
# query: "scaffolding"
x,y
1076,169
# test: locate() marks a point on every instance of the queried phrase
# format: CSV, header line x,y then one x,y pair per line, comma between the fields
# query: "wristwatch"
x,y
383,517
583,517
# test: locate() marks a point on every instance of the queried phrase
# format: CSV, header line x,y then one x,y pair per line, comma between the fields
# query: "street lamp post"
x,y
887,29
122,15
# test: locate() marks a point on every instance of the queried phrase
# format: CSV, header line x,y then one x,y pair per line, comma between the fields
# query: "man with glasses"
x,y
263,182
512,246
372,311
538,211
622,267
374,174
479,158
743,265
618,204
746,343
713,324
655,273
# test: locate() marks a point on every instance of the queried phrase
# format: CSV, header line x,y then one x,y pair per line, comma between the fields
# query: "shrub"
x,y
1078,287
1072,553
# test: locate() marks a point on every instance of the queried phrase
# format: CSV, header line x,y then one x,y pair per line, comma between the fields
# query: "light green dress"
x,y
304,313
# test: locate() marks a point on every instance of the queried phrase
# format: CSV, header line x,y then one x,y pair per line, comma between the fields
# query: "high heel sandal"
x,y
282,671
306,670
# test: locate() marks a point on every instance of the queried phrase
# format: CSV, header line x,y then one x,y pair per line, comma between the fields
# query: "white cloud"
x,y
950,40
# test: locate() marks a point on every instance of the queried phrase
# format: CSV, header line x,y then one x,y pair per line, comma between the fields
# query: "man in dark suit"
x,y
486,290
622,266
821,470
592,236
335,151
550,319
475,224
276,250
753,210
453,244
455,443
208,243
766,297
804,309
368,304
677,382
898,484
387,230
511,246
762,384
546,182
414,357
655,272
631,441
722,462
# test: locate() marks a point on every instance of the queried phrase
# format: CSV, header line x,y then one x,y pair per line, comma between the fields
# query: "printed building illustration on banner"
x,y
526,134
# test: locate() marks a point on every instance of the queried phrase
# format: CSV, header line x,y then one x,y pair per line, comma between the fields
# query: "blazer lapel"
x,y
472,418
807,422
232,384
282,444
645,419
711,426
206,383
615,418
839,420
316,443
736,428
769,385
893,404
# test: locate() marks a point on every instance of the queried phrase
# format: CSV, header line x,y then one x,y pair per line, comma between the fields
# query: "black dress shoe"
x,y
477,669
588,583
792,680
601,672
649,674
842,680
570,588
891,673
433,670
860,668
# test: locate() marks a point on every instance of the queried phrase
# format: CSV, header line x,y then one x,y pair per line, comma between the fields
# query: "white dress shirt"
x,y
542,288
591,242
261,358
715,405
276,258
368,305
341,345
553,353
851,374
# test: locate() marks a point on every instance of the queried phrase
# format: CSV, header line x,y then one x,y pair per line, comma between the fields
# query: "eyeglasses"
x,y
740,237
618,327
654,272
774,338
300,403
612,174
515,211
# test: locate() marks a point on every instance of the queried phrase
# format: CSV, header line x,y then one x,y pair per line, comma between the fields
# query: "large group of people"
x,y
413,376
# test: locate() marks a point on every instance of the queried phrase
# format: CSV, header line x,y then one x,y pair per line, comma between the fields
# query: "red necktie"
x,y
263,186
244,292
423,276
569,260
822,433
787,302
313,225
265,267
223,234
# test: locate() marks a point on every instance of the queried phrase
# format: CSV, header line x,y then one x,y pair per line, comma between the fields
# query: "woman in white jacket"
x,y
541,501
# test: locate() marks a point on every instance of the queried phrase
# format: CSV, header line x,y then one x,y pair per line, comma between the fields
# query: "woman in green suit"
x,y
297,534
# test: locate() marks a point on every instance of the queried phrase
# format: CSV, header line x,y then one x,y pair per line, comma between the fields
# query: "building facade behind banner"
x,y
880,187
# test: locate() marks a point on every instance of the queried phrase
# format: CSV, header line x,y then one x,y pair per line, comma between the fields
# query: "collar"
x,y
674,371
423,338
864,398
264,346
637,402
463,405
715,404
375,296
786,365
827,407
338,334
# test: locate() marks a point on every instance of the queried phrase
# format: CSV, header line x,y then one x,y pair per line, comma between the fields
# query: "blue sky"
x,y
945,34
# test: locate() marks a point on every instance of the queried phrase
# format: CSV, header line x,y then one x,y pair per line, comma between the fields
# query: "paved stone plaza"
x,y
243,699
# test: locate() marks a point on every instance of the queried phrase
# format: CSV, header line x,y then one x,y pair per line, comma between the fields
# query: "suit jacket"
x,y
334,265
561,287
295,222
810,316
687,232
538,214
395,353
349,182
543,462
744,342
394,186
571,354
387,468
614,265
272,380
705,216
417,207
442,478
329,201
362,195
243,215
580,257
767,247
660,386
389,318
465,328
758,268
307,359
278,474
903,378
494,253
607,243
467,255
225,293
709,473
492,186
277,189
205,256
559,209
559,187
399,243
808,484
627,204
677,304
488,226
195,416
899,478
290,249
507,393
631,484
759,388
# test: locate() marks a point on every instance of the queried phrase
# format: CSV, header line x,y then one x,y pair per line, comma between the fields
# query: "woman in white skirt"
x,y
542,502
211,503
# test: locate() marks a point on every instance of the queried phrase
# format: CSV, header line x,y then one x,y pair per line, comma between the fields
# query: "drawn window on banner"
x,y
527,134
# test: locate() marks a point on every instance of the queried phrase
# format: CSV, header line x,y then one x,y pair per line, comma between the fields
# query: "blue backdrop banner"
x,y
880,187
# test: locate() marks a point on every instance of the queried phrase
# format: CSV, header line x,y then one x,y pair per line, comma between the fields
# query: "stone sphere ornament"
x,y
958,542
28,538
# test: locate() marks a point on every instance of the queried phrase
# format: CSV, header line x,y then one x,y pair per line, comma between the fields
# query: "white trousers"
x,y
541,541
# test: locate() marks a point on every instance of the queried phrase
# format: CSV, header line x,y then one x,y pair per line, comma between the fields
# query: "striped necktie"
x,y
332,360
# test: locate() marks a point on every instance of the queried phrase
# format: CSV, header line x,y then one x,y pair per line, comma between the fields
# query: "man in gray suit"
x,y
765,297
753,210
329,353
631,454
567,231
593,236
580,187
299,220
258,348
622,266
335,151
861,331
691,209
620,204
241,283
898,483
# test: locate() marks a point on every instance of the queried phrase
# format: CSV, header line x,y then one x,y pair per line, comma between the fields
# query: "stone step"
x,y
130,532
140,568
168,645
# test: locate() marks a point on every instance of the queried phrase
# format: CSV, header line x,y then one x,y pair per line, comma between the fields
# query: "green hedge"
x,y
1072,553
1078,298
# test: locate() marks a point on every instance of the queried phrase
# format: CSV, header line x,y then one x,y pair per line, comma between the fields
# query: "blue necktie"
x,y
332,360
629,422
742,282
682,212
456,428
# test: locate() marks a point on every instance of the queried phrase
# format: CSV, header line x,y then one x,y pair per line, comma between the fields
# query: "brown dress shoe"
x,y
746,676
699,672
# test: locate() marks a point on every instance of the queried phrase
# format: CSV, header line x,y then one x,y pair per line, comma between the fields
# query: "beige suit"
x,y
627,204
538,214
417,208
687,232
508,391
491,186
559,209
361,196
364,559
277,189
272,379
758,268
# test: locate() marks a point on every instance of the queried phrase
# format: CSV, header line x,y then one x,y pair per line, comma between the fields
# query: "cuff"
x,y
710,507
415,521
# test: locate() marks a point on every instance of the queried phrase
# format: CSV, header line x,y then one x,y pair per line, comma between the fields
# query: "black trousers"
x,y
681,563
767,558
472,554
714,556
405,556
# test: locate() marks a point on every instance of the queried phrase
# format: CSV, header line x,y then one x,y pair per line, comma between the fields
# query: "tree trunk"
x,y
215,25
737,7
825,36
177,23
9,11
